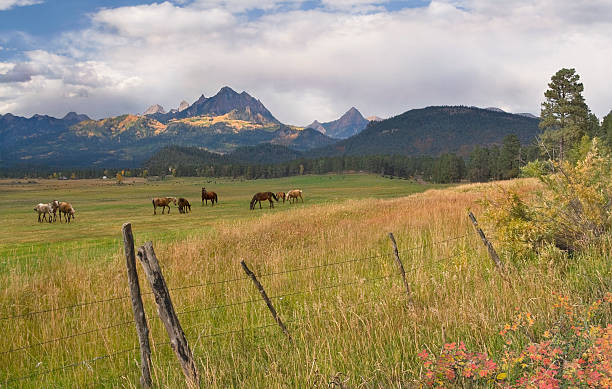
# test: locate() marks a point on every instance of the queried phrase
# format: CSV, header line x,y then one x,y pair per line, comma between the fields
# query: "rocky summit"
x,y
152,110
349,124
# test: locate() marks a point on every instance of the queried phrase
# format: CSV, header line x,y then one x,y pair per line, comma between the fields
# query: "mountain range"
x,y
230,120
219,123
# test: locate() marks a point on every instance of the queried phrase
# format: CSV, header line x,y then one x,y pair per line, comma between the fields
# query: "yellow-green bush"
x,y
572,211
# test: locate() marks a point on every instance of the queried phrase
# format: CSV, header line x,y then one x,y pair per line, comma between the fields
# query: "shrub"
x,y
572,212
575,352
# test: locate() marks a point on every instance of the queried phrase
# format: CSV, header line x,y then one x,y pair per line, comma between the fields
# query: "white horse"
x,y
44,209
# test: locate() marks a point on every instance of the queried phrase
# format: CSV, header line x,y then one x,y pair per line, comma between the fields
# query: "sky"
x,y
304,60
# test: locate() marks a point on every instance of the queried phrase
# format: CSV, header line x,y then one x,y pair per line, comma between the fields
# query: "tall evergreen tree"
x,y
564,116
509,157
479,169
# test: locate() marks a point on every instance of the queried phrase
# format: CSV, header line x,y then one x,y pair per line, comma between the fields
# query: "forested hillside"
x,y
436,130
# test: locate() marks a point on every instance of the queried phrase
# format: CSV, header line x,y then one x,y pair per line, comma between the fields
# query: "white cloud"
x,y
8,4
315,64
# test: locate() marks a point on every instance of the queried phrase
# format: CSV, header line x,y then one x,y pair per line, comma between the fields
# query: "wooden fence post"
x,y
167,314
139,315
266,299
489,246
401,266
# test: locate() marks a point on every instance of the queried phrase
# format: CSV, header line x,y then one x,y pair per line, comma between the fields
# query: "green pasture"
x,y
326,264
102,207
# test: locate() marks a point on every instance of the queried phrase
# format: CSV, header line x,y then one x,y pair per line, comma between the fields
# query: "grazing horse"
x,y
163,202
294,195
44,209
66,209
55,205
183,205
212,196
263,196
281,195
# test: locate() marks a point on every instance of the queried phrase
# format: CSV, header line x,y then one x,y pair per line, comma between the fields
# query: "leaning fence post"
x,y
485,241
266,299
139,315
167,314
400,265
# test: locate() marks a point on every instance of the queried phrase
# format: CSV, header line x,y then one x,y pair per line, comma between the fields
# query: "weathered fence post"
x,y
167,314
490,249
266,299
139,315
401,266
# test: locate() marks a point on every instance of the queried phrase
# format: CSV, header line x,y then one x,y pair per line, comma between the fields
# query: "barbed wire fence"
x,y
312,289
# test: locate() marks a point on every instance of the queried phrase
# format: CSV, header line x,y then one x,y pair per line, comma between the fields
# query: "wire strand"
x,y
67,337
87,303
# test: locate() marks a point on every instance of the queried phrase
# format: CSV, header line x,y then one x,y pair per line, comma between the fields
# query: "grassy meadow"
x,y
344,304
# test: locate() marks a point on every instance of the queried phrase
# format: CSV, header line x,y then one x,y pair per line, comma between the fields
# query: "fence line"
x,y
223,333
303,291
433,243
86,303
125,323
70,365
125,351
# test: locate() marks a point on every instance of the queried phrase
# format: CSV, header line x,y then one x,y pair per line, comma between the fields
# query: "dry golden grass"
x,y
363,333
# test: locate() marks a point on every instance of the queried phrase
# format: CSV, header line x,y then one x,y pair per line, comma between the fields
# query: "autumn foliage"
x,y
572,211
574,352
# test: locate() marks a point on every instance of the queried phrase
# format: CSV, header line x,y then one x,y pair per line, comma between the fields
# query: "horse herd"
x,y
49,211
291,196
184,206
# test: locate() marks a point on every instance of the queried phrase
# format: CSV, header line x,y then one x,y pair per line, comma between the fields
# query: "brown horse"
x,y
212,196
294,195
183,205
281,195
263,196
67,210
163,202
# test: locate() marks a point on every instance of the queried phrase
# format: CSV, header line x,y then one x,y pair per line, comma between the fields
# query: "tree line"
x,y
483,164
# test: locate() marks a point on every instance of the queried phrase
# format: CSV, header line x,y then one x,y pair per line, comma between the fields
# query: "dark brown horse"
x,y
163,202
183,205
212,196
263,196
281,195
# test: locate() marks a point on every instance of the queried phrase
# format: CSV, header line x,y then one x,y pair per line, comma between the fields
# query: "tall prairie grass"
x,y
351,322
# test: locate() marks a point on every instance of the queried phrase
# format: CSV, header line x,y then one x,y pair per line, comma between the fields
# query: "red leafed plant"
x,y
572,353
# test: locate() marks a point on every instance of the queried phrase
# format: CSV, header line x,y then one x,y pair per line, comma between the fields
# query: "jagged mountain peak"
x,y
200,100
226,89
242,106
316,125
183,106
155,108
349,124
